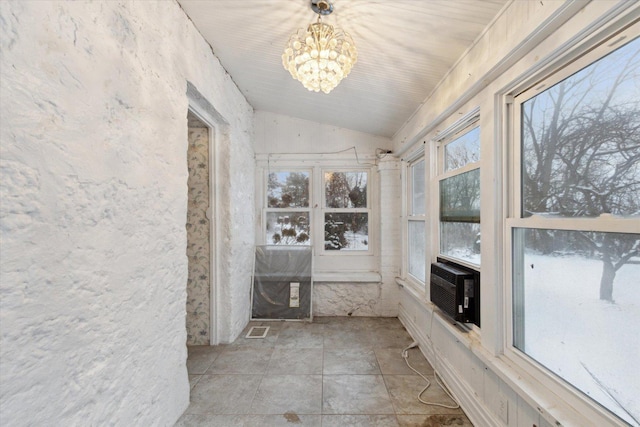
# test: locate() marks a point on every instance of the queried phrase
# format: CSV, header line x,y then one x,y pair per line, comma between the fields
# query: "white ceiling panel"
x,y
405,47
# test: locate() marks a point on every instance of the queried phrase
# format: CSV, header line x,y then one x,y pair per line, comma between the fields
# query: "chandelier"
x,y
320,56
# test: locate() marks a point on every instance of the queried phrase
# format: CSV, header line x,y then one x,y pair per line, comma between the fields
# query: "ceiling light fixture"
x,y
320,56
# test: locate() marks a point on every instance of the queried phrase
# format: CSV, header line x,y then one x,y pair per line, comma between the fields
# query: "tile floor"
x,y
335,371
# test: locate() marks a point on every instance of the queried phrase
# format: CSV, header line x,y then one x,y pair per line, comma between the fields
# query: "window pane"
x,y
460,240
346,231
346,189
288,228
462,150
416,250
581,141
460,197
288,190
417,188
576,310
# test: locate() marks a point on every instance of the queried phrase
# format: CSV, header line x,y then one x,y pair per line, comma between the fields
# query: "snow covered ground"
x,y
593,344
356,241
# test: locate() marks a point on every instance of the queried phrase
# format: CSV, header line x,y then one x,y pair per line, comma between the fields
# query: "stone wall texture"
x,y
93,209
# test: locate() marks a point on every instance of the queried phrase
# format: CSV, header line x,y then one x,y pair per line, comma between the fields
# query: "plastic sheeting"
x,y
282,283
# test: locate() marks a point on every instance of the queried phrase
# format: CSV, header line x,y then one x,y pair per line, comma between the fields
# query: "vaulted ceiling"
x,y
405,48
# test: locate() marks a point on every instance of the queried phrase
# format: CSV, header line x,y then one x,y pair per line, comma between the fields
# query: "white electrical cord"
x,y
405,356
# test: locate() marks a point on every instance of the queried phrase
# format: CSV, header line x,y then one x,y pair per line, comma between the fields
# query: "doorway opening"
x,y
199,236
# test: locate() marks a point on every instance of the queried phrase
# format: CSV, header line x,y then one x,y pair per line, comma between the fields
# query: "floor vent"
x,y
258,332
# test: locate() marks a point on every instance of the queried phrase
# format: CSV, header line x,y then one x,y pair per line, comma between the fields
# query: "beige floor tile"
x,y
348,338
300,335
359,421
355,394
350,361
294,394
337,371
210,420
284,420
404,391
433,421
391,337
201,357
292,361
241,360
193,380
392,363
223,394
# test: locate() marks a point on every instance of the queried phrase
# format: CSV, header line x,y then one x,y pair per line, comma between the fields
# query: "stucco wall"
x,y
93,211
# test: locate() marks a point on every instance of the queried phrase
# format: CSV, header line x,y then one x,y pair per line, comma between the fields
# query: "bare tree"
x,y
581,156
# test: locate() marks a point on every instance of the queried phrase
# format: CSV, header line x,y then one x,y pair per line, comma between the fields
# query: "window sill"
x,y
417,291
352,276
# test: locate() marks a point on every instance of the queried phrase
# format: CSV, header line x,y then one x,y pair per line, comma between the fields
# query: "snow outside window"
x,y
346,211
287,217
574,228
416,236
459,189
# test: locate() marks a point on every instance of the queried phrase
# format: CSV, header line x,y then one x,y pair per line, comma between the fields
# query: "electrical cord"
x,y
405,356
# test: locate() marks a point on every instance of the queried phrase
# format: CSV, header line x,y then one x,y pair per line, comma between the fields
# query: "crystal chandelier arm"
x,y
319,57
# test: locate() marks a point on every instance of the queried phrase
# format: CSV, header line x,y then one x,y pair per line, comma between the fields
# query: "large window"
x,y
327,208
574,224
287,217
416,236
346,211
459,189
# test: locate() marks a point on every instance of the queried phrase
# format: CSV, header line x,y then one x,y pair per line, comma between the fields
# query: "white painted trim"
x,y
475,409
350,154
347,276
411,287
218,135
460,125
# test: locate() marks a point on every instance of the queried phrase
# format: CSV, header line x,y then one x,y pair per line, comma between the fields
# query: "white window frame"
x,y
329,266
325,210
465,124
512,99
411,216
266,209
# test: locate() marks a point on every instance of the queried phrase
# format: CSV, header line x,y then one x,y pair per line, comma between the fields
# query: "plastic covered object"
x,y
282,283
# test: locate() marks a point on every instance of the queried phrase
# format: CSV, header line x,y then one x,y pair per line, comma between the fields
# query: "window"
x,y
459,189
416,236
574,223
287,217
346,211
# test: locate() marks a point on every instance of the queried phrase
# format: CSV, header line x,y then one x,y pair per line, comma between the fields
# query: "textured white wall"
x,y
277,133
93,211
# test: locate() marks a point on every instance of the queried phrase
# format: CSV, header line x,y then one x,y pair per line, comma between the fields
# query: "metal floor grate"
x,y
258,332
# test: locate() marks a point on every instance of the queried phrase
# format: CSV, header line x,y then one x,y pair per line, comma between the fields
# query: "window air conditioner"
x,y
456,291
